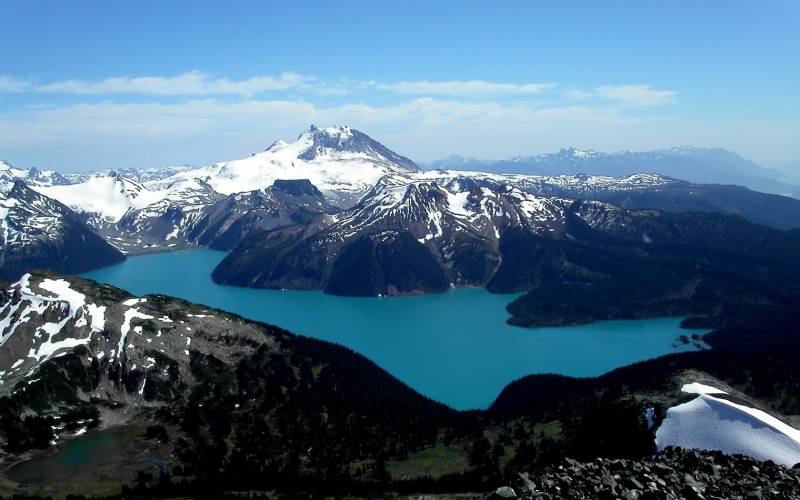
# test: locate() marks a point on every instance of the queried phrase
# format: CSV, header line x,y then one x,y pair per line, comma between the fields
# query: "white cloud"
x,y
114,135
196,83
208,125
464,88
139,120
476,117
637,95
186,84
10,84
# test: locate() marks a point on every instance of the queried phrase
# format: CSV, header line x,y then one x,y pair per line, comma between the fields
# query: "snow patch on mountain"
x,y
698,388
711,422
109,196
434,206
43,317
58,299
125,328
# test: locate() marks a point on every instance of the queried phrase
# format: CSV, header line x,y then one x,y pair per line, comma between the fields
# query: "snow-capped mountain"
x,y
107,197
429,208
697,165
8,174
32,176
217,205
570,155
39,232
27,216
170,207
227,222
139,350
454,231
44,316
136,174
164,224
196,215
341,162
644,190
457,162
556,185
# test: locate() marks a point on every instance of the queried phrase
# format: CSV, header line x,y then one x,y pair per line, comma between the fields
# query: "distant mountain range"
x,y
697,165
331,177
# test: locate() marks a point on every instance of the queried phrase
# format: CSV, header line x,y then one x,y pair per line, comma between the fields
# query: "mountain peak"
x,y
336,138
340,131
345,139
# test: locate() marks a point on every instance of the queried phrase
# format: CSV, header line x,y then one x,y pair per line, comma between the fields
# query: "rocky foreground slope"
x,y
671,475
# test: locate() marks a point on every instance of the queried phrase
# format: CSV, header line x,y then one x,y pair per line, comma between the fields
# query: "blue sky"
x,y
109,84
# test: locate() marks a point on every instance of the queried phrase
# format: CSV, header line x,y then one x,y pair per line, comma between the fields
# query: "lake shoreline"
x,y
426,341
512,320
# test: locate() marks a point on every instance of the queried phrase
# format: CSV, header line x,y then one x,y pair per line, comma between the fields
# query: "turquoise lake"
x,y
454,347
